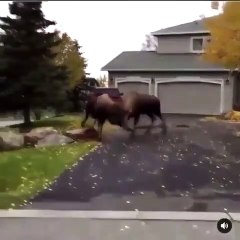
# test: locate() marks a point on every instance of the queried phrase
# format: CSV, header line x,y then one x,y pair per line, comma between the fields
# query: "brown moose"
x,y
133,105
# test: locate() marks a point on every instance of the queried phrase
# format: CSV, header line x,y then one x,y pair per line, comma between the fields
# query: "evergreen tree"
x,y
29,78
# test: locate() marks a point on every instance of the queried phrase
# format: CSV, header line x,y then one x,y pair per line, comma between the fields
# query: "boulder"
x,y
9,129
82,133
54,139
31,138
11,141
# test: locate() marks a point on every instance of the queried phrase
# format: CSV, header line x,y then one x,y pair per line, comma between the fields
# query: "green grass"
x,y
25,172
62,123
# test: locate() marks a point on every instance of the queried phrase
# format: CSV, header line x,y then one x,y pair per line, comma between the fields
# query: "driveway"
x,y
195,167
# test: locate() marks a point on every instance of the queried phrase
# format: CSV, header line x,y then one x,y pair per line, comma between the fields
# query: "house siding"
x,y
175,44
236,93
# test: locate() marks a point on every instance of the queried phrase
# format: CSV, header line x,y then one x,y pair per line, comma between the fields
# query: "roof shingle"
x,y
190,27
152,61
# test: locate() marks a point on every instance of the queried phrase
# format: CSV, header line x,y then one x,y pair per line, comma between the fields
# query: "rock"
x,y
9,129
82,133
54,139
31,138
11,141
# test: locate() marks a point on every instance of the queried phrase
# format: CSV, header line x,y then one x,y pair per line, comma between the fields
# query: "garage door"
x,y
190,97
138,84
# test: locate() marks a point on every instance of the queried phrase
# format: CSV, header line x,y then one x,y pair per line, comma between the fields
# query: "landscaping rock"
x,y
11,141
82,133
36,134
30,140
9,129
54,139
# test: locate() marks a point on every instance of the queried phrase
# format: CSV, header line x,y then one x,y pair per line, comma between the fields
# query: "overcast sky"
x,y
105,29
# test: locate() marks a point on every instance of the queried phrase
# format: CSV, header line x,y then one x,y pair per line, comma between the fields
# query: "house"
x,y
176,73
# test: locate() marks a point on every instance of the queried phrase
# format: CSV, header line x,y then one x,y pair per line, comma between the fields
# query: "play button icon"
x,y
224,225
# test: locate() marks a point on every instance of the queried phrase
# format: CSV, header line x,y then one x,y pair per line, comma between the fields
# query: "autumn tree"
x,y
29,79
68,54
224,47
150,43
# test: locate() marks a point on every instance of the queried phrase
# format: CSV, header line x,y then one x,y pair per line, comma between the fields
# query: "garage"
x,y
184,82
192,96
128,84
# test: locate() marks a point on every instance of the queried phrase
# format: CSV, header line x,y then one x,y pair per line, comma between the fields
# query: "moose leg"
x,y
83,123
125,124
163,125
136,120
100,128
94,123
152,117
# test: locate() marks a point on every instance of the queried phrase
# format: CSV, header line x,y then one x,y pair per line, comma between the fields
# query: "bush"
x,y
232,115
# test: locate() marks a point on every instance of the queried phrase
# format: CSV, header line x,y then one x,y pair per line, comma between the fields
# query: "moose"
x,y
133,105
138,104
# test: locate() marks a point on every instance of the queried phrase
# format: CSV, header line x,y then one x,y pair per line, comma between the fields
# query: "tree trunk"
x,y
26,115
38,114
75,105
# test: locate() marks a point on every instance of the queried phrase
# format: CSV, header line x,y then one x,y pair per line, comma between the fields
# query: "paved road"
x,y
195,167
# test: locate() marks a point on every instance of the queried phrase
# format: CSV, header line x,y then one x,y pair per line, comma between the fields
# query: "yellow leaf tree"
x,y
224,47
68,54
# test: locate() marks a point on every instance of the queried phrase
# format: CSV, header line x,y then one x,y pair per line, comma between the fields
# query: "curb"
x,y
118,215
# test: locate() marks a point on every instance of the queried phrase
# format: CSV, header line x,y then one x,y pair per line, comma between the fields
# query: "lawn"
x,y
60,123
64,123
25,172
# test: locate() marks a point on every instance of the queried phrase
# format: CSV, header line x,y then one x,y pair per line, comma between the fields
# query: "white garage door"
x,y
190,97
141,85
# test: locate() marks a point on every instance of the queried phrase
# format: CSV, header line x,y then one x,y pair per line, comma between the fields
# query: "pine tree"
x,y
29,78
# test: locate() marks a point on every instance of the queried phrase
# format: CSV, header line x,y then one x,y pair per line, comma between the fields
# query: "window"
x,y
198,44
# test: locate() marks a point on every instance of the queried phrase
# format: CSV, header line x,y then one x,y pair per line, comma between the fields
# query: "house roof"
x,y
152,61
185,28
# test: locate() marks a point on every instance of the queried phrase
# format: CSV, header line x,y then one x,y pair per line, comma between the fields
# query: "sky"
x,y
104,29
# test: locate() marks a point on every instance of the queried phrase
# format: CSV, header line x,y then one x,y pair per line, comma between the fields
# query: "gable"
x,y
197,26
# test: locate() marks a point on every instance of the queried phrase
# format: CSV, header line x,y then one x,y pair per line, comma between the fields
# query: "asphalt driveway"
x,y
196,167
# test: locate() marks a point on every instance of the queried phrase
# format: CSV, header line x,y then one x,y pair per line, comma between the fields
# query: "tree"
x,y
29,77
102,81
78,94
68,54
224,47
150,43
